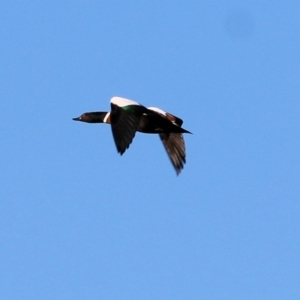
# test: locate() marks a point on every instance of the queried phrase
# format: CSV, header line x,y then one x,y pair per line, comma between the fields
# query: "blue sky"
x,y
78,221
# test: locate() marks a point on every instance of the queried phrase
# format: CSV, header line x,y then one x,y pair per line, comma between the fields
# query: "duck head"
x,y
94,117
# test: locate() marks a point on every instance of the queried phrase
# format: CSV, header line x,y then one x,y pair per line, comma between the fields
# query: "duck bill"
x,y
76,119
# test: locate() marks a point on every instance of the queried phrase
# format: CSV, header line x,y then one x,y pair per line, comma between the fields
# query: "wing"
x,y
124,126
175,147
173,119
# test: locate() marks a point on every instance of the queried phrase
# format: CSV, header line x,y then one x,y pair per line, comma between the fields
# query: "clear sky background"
x,y
79,221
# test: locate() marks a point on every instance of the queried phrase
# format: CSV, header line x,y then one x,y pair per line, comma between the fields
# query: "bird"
x,y
127,117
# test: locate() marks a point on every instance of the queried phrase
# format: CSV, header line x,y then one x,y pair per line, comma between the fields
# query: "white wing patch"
x,y
156,109
121,102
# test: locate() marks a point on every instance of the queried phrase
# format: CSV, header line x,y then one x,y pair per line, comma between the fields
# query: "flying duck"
x,y
127,116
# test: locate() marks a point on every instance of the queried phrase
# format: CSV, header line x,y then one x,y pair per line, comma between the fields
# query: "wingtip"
x,y
179,170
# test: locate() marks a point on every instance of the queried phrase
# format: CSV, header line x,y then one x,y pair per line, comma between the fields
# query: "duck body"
x,y
153,122
127,117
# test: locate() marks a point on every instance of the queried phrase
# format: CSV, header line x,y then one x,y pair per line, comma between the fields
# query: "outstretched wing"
x,y
175,147
124,126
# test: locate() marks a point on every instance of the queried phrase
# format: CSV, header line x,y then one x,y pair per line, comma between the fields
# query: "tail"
x,y
184,130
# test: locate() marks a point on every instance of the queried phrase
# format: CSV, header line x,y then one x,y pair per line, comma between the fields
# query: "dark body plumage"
x,y
153,122
127,117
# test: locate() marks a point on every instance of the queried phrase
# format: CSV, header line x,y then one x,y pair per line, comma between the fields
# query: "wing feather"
x,y
175,147
124,126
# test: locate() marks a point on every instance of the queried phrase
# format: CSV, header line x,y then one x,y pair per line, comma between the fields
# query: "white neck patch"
x,y
121,102
106,117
